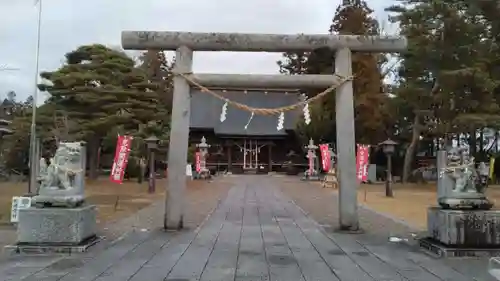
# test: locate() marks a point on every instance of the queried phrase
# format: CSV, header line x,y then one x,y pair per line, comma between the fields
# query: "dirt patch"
x,y
410,201
322,205
408,206
112,200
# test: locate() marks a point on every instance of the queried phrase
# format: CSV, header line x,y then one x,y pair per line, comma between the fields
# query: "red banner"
x,y
197,162
325,157
122,152
362,159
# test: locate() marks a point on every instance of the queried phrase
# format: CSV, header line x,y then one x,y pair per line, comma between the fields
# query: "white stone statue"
x,y
460,185
461,169
62,182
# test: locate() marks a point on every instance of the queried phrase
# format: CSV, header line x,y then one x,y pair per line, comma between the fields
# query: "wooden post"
x,y
229,158
179,141
270,160
348,185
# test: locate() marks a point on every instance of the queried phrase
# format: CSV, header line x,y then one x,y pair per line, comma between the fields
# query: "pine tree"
x,y
446,76
100,89
159,70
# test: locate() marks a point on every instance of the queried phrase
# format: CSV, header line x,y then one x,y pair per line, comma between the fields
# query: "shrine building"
x,y
261,147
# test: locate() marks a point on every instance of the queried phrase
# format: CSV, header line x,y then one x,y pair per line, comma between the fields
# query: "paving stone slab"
x,y
59,267
99,264
135,259
223,259
251,257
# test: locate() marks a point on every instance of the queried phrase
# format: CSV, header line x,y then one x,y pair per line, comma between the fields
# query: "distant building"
x,y
236,149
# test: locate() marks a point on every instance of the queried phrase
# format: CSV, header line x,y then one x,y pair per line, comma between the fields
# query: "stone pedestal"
x,y
313,177
56,226
454,233
468,228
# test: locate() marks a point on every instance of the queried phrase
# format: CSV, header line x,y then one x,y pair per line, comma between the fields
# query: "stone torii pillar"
x,y
184,43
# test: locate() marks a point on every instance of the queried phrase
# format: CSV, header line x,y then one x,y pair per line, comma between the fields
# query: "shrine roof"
x,y
206,110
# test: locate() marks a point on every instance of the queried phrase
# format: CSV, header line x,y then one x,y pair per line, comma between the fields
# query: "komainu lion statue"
x,y
61,183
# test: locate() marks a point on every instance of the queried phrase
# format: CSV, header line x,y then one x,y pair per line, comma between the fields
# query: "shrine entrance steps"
x,y
250,171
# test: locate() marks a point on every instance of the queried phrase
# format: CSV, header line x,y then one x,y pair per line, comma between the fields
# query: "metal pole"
x,y
37,155
388,181
37,164
32,182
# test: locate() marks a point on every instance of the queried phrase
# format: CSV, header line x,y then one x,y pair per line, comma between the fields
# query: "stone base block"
x,y
480,202
64,201
439,250
69,226
464,228
311,178
51,248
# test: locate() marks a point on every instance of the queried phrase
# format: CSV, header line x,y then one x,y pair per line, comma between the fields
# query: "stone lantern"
x,y
152,145
311,173
203,147
388,147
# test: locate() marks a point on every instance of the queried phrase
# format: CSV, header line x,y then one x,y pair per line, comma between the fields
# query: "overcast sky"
x,y
67,24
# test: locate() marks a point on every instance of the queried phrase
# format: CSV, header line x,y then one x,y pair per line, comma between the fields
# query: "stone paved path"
x,y
255,234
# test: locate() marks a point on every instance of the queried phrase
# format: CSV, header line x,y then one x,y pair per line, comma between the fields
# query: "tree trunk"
x,y
473,142
94,144
481,141
410,150
497,133
415,138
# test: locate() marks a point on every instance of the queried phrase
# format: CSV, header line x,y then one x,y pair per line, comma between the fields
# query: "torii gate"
x,y
184,43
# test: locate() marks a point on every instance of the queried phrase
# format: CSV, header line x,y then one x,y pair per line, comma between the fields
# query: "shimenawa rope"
x,y
266,111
